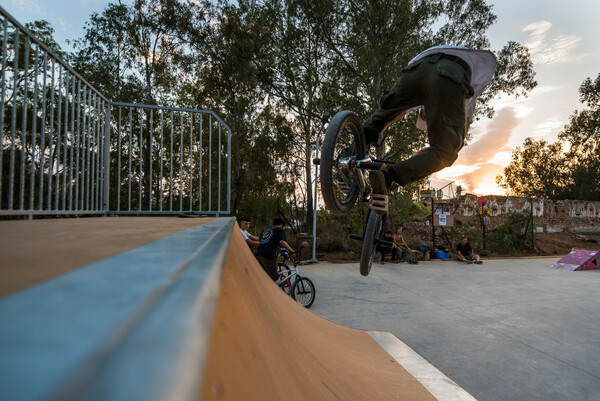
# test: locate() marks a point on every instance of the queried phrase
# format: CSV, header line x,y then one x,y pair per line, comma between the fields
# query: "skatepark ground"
x,y
509,329
506,330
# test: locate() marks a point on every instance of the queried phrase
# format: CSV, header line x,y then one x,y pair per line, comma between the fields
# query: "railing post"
x,y
106,200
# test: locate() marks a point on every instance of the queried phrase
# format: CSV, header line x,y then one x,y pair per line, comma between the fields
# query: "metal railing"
x,y
168,160
66,149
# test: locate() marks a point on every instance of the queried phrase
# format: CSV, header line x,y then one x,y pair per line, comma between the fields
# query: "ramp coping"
x,y
132,326
438,384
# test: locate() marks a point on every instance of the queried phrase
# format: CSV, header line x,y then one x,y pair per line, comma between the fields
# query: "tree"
x,y
371,43
583,135
132,54
537,169
546,170
227,43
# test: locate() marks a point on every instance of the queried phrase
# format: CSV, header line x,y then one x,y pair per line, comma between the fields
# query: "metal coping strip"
x,y
133,326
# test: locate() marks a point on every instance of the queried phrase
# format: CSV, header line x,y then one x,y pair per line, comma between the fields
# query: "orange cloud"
x,y
477,165
493,141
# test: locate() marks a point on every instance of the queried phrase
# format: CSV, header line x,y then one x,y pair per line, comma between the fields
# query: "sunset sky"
x,y
562,37
563,40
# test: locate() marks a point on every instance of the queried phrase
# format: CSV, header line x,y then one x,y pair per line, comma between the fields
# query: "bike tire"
x,y
373,232
303,291
339,185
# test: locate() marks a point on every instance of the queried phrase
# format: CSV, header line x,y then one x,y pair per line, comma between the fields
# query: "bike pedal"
x,y
379,203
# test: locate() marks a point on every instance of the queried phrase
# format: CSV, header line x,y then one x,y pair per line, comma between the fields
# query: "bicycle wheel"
x,y
344,142
373,232
303,291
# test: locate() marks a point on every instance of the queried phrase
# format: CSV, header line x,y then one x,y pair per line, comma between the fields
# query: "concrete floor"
x,y
510,329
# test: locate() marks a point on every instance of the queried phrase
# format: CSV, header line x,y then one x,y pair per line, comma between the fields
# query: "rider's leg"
x,y
446,124
401,97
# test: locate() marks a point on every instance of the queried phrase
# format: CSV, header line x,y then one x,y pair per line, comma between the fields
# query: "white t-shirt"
x,y
483,65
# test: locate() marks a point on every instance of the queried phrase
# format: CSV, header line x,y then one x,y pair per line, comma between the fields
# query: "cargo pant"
x,y
442,87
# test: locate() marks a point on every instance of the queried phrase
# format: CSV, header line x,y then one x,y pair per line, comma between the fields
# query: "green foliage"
x,y
537,169
268,68
472,229
515,235
404,208
547,171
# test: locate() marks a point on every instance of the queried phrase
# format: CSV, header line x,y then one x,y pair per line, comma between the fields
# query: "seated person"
x,y
465,253
385,249
402,249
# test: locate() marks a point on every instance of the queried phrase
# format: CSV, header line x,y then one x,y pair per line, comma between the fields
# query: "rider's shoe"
x,y
378,201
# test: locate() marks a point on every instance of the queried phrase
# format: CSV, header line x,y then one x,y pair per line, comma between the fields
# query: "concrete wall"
x,y
549,216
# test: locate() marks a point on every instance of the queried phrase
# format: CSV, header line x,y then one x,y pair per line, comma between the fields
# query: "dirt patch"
x,y
562,243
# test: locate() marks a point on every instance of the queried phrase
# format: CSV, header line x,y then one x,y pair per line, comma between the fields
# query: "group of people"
x,y
268,243
272,239
398,249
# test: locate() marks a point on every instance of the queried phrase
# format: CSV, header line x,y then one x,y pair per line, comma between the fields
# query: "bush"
x,y
515,235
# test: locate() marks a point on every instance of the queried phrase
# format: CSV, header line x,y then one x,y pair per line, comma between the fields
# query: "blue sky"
x,y
563,40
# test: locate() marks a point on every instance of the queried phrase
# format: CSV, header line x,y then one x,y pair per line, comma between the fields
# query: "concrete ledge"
x,y
133,326
440,386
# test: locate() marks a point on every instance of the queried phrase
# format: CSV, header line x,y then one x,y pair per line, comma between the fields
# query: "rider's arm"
x,y
251,241
404,243
285,245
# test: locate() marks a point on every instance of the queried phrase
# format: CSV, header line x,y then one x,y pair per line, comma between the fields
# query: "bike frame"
x,y
287,274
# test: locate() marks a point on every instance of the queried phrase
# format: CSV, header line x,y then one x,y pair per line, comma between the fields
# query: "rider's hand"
x,y
371,134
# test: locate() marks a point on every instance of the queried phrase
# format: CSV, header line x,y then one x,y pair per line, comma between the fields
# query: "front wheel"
x,y
371,236
344,142
303,291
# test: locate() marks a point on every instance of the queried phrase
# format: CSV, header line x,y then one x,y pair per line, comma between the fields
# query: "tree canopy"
x,y
568,168
270,67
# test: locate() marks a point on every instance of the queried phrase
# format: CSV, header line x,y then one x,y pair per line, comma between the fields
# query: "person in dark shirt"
x,y
271,240
465,253
385,249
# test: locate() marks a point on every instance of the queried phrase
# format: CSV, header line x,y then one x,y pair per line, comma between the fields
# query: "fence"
x,y
66,149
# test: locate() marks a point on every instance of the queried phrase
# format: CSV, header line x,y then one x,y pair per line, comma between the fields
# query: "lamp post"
x,y
324,120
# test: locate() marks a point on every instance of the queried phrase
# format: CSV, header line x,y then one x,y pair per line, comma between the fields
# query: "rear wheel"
x,y
303,291
371,236
343,144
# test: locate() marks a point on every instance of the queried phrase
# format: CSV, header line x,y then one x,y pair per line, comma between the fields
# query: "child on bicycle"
x,y
444,82
271,240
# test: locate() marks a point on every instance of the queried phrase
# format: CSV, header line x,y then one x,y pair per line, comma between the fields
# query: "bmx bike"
x,y
344,164
301,289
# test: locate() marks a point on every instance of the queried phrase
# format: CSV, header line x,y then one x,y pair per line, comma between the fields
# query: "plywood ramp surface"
x,y
36,250
265,346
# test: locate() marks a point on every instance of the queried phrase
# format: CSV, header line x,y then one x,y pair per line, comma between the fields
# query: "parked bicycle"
x,y
344,164
300,288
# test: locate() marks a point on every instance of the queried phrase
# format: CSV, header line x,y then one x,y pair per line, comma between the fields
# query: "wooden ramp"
x,y
264,346
177,309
